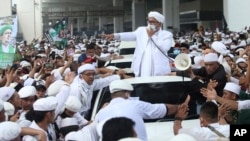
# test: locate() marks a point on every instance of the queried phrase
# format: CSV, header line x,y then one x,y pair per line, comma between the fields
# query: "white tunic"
x,y
84,91
245,104
34,138
133,109
147,53
205,134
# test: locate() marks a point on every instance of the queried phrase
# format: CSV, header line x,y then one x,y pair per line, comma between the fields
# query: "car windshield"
x,y
168,92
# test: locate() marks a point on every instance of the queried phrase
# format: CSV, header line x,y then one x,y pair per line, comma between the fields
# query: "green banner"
x,y
6,59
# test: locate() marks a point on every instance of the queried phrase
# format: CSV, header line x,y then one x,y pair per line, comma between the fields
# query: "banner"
x,y
8,32
57,34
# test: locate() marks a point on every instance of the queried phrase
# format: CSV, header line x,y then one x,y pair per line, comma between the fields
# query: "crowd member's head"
x,y
120,88
10,131
87,73
84,59
242,64
118,128
231,91
40,91
208,114
27,96
211,63
90,49
184,48
9,94
48,67
155,20
68,125
59,62
72,106
43,111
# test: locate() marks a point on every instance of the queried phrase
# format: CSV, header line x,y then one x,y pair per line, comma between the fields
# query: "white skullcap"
x,y
45,104
73,104
55,87
120,85
240,60
28,82
24,77
75,57
231,55
42,55
197,62
211,57
6,93
13,84
1,105
232,87
65,122
9,130
27,91
9,108
159,17
56,74
25,64
183,137
85,67
130,139
219,47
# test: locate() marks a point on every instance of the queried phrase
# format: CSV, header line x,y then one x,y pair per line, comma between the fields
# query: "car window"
x,y
125,51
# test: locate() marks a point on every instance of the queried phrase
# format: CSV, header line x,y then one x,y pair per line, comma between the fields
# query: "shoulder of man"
x,y
166,33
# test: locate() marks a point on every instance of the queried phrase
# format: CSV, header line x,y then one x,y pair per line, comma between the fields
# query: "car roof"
x,y
127,44
126,58
157,79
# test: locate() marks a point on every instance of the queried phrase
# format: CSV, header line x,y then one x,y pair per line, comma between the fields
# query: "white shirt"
x,y
84,91
245,104
144,47
81,121
34,138
61,97
133,109
205,134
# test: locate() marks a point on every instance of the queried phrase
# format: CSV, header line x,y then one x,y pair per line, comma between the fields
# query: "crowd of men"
x,y
46,94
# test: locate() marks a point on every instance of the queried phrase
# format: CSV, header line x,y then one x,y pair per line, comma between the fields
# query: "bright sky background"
x,y
14,2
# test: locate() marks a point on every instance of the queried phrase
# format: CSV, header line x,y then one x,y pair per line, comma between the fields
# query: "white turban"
x,y
27,91
120,85
73,104
85,67
6,93
9,108
232,87
9,130
211,57
45,104
159,17
68,122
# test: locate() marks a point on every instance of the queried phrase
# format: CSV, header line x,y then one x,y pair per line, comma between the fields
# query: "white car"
x,y
156,89
127,47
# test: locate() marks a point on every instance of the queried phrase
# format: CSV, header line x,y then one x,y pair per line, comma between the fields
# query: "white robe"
x,y
145,47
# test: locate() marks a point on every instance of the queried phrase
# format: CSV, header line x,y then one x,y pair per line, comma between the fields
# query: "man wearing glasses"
x,y
85,84
152,44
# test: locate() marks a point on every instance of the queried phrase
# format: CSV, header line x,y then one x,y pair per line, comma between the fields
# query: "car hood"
x,y
163,131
